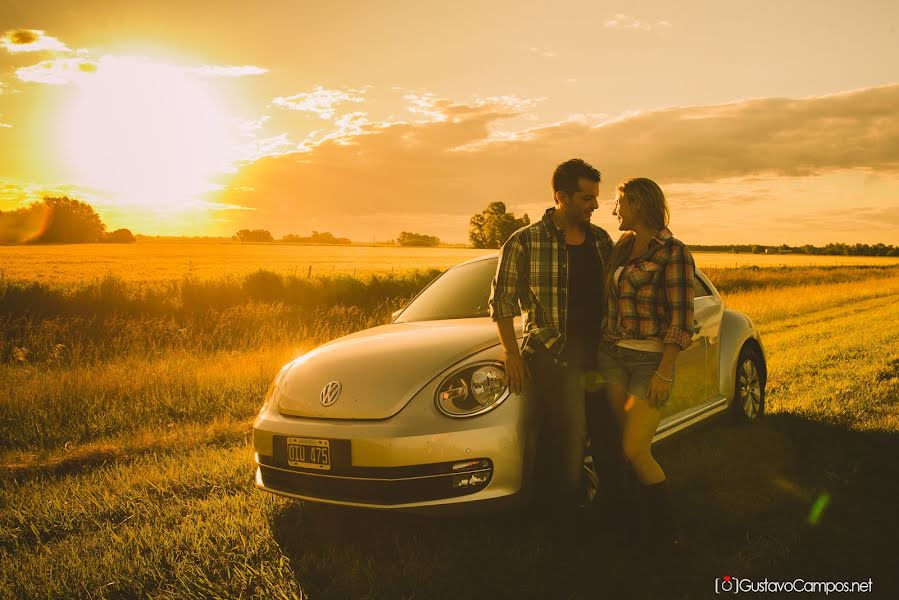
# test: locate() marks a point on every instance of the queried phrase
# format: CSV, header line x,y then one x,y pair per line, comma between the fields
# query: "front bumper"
x,y
417,459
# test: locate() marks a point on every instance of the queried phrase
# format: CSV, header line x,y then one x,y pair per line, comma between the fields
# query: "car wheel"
x,y
749,388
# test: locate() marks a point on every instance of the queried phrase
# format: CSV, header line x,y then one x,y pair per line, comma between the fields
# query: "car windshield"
x,y
462,292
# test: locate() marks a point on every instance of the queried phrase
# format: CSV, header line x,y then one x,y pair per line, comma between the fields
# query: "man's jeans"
x,y
561,421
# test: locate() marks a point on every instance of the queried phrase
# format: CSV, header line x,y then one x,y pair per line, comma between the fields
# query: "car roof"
x,y
490,256
494,255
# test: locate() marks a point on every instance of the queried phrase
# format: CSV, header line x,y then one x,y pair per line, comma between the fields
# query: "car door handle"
x,y
697,326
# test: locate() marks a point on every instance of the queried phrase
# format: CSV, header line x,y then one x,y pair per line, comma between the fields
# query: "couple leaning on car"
x,y
618,315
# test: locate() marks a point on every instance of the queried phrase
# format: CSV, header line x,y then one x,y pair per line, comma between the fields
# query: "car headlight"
x,y
273,389
269,395
472,390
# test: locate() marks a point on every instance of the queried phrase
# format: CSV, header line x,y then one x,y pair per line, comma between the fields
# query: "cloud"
x,y
455,163
544,52
227,71
276,145
622,21
320,101
427,105
346,127
772,136
59,71
380,168
63,71
254,124
31,40
731,192
436,109
860,218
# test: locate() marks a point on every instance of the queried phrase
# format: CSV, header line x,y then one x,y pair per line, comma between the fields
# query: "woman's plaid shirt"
x,y
654,296
532,277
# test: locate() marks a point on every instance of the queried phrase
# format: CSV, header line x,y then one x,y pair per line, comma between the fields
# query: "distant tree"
x,y
493,226
836,250
119,236
68,221
407,238
254,235
863,250
325,237
828,250
23,224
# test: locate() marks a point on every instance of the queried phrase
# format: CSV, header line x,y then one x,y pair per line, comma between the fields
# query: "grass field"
x,y
127,461
162,261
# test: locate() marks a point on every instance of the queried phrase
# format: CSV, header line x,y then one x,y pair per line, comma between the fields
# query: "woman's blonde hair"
x,y
645,197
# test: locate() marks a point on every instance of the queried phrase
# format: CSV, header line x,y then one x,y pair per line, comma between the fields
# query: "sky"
x,y
764,122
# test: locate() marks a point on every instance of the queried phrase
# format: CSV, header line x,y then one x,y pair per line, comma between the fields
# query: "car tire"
x,y
748,404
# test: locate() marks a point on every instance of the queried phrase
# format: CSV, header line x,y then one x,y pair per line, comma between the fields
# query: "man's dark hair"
x,y
566,175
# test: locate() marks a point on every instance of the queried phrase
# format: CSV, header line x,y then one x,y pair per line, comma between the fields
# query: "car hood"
x,y
379,369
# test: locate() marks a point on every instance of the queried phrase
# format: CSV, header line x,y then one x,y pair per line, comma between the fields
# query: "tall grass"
x,y
742,279
111,318
43,409
188,296
127,464
72,376
63,341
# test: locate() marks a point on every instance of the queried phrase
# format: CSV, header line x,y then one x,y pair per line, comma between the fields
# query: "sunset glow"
x,y
294,117
151,134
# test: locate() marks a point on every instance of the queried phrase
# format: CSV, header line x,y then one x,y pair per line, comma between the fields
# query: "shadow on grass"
x,y
786,498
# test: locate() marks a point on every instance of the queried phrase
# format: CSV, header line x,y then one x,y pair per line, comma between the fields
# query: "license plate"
x,y
309,453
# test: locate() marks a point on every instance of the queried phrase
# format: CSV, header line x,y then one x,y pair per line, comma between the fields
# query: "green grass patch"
x,y
132,476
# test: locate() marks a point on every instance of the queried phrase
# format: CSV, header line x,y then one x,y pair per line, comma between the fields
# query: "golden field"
x,y
154,261
126,454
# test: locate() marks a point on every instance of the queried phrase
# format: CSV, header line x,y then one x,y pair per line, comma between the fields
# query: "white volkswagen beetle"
x,y
414,415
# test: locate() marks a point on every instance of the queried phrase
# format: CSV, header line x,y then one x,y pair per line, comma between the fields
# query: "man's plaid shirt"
x,y
654,296
532,277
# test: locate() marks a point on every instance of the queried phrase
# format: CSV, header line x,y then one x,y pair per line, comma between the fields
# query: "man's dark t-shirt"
x,y
585,305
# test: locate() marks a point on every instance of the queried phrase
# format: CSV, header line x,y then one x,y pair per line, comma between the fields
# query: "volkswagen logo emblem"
x,y
331,393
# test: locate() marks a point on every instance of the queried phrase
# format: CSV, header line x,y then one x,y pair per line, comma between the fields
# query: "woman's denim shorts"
x,y
629,368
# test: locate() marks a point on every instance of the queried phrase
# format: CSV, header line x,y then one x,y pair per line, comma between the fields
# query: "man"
x,y
553,272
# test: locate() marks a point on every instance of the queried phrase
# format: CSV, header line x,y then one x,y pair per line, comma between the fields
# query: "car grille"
x,y
381,486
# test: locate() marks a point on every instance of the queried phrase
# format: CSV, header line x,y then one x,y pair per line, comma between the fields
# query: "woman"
x,y
650,317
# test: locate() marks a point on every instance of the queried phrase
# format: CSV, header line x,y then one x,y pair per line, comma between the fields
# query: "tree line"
x,y
826,250
406,238
264,235
57,220
64,220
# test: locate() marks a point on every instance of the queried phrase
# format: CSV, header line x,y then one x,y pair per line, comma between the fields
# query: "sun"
x,y
152,135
